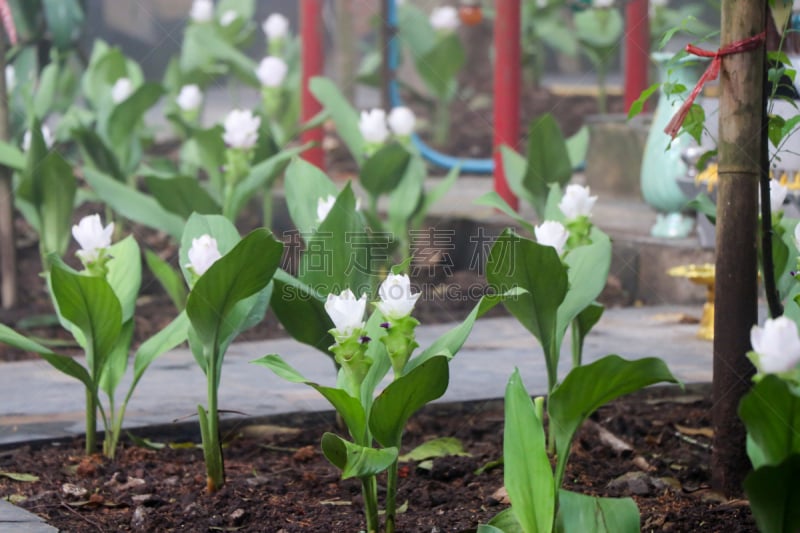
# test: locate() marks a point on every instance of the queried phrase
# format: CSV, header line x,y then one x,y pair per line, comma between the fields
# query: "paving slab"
x,y
38,402
17,520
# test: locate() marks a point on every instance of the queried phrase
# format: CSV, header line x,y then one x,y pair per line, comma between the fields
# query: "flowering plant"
x,y
365,351
230,291
96,305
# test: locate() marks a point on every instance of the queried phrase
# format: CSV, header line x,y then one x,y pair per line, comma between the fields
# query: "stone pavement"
x,y
38,402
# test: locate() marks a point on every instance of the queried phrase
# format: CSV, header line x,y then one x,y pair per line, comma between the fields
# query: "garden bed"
x,y
278,480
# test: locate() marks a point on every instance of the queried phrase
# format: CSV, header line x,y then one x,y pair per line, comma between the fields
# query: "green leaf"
x,y
45,97
165,340
382,172
90,304
580,512
348,407
694,123
492,199
355,460
514,168
344,117
585,321
771,414
438,447
205,150
64,20
182,196
125,274
515,261
577,146
440,65
434,195
11,156
117,360
504,522
240,273
703,204
408,197
219,227
304,185
405,396
415,30
97,155
527,475
548,160
18,476
301,312
203,46
168,277
132,204
126,115
638,105
775,129
774,496
598,28
586,388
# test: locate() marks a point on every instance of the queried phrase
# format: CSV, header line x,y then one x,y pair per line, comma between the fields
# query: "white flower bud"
x,y
373,126
276,26
777,345
324,206
445,19
272,71
202,11
11,78
228,17
203,253
241,129
121,90
46,133
397,301
92,237
551,233
777,194
346,312
577,202
189,98
401,121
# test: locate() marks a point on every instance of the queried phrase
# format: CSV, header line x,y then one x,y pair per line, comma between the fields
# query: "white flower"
x,y
324,206
46,133
659,3
401,121
397,301
797,236
202,11
241,129
346,312
777,345
576,202
272,71
551,233
445,19
777,194
276,26
203,253
121,90
92,237
189,98
373,126
228,17
11,78
602,4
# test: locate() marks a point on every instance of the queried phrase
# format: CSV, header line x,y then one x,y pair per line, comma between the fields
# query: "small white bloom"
x,y
397,301
324,206
203,253
346,312
777,194
46,133
11,78
659,3
541,4
241,129
577,202
777,345
551,233
445,19
401,121
202,11
228,17
276,26
373,126
92,237
189,98
602,4
272,71
121,90
797,236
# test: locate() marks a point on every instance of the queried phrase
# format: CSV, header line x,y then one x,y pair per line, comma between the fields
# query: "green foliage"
x,y
355,460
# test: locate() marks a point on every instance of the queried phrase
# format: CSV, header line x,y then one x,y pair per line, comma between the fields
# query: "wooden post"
x,y
737,216
8,252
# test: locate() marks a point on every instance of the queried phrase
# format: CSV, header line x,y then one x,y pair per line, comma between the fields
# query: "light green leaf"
x,y
434,195
125,274
165,340
771,414
96,154
11,156
587,388
342,113
117,361
405,396
18,476
492,199
528,476
305,185
355,460
580,512
504,521
577,146
182,196
64,20
45,97
440,65
168,277
438,447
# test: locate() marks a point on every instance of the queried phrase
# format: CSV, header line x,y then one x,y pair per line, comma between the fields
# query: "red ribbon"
x,y
8,21
711,73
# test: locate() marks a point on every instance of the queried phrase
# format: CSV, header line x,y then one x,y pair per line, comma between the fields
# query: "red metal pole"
x,y
637,50
506,89
313,59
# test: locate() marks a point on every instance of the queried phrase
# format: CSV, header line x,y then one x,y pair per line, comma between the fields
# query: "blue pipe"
x,y
467,165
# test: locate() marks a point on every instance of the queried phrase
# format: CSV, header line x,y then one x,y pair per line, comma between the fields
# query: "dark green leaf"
x,y
440,65
771,414
355,460
548,160
301,312
580,512
382,171
168,277
64,20
775,496
638,105
182,196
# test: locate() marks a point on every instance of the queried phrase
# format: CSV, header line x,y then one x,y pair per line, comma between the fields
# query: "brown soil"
x,y
278,481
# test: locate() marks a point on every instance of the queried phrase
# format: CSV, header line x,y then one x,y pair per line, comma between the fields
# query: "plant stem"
x,y
576,345
266,209
602,106
391,497
369,491
8,252
91,422
441,122
213,448
227,202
